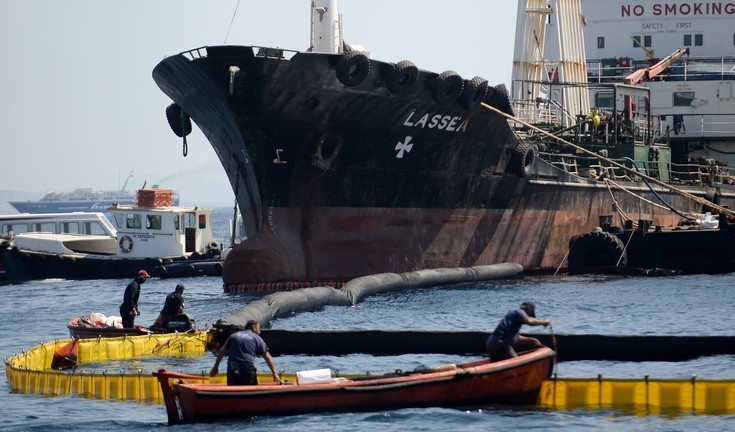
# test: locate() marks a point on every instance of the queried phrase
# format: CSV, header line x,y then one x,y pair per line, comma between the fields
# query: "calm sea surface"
x,y
691,305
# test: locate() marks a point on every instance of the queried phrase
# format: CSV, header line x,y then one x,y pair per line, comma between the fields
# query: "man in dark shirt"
x,y
129,307
243,347
500,343
173,305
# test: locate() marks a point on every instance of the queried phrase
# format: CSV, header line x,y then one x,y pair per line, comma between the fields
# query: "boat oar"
x,y
66,356
172,374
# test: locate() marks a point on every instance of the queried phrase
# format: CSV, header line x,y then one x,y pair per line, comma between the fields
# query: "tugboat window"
x,y
687,40
636,41
70,228
683,98
604,100
698,40
16,228
119,220
93,228
133,221
153,222
600,42
190,220
647,40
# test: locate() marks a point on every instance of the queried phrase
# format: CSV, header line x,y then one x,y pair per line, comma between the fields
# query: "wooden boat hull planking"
x,y
513,381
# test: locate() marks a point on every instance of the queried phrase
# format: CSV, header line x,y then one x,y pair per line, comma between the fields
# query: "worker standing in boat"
x,y
243,347
174,304
507,334
129,307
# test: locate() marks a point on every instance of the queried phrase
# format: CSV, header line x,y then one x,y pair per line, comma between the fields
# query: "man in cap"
x,y
242,347
173,305
501,342
129,307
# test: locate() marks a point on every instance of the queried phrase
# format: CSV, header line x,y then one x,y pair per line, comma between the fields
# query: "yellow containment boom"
x,y
30,373
641,396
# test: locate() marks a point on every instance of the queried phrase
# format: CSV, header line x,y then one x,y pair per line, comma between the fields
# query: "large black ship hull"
x,y
336,178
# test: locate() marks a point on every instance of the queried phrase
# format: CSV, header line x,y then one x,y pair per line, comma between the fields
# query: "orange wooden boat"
x,y
512,381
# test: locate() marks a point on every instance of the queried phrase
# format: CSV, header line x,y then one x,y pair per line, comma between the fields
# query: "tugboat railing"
x,y
694,173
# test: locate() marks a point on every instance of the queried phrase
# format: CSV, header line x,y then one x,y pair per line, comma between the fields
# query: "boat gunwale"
x,y
463,372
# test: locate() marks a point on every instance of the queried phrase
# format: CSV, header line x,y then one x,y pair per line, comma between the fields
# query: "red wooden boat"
x,y
512,381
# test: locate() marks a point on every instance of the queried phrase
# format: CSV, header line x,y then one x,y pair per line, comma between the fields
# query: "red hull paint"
x,y
343,243
479,383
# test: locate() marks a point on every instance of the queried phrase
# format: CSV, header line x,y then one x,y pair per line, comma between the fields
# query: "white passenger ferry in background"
x,y
82,200
694,99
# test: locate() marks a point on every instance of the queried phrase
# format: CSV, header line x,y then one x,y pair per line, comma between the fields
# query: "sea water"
x,y
38,311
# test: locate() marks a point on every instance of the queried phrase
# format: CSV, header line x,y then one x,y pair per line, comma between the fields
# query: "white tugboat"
x,y
153,235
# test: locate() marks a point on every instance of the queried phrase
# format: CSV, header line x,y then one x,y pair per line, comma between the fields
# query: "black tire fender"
x,y
161,271
523,159
448,88
353,68
474,93
596,249
500,98
179,122
402,77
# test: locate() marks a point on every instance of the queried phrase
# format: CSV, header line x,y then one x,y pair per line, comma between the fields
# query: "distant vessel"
x,y
80,200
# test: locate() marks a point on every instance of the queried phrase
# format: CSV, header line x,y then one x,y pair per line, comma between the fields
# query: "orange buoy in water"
x,y
65,357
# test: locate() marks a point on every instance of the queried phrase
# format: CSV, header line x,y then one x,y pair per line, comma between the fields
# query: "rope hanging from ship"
x,y
703,202
234,216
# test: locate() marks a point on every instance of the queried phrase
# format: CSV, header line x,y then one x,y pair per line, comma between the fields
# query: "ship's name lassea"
x,y
436,121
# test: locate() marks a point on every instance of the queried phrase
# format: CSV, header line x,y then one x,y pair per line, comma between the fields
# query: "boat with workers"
x,y
344,165
513,381
153,235
98,325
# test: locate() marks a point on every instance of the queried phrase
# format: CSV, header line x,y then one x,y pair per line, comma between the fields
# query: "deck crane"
x,y
651,71
648,72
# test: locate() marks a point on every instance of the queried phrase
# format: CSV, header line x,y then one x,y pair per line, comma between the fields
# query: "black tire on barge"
x,y
523,159
596,249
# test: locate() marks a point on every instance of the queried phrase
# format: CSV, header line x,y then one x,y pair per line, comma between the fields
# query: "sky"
x,y
78,106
